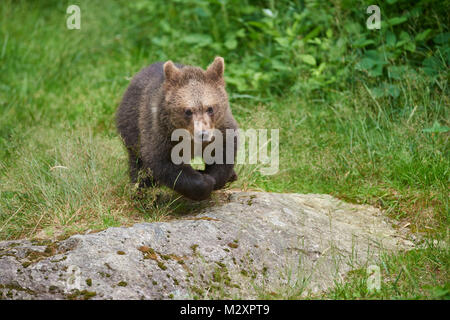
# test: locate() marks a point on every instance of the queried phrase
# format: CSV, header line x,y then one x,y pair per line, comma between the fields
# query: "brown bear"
x,y
166,96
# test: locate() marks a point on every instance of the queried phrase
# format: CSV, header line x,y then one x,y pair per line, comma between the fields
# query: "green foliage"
x,y
274,46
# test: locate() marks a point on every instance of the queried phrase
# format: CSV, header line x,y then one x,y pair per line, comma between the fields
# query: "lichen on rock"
x,y
226,250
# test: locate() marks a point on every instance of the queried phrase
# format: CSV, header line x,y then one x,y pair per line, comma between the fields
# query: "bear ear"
x,y
215,69
171,72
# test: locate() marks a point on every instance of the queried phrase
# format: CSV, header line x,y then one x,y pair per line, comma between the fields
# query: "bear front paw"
x,y
201,188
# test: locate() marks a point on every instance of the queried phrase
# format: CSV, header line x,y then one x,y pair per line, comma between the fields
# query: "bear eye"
x,y
188,112
210,110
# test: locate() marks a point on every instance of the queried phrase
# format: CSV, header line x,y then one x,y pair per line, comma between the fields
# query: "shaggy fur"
x,y
154,105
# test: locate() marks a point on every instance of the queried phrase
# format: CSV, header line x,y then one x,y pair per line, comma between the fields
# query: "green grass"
x,y
63,168
417,274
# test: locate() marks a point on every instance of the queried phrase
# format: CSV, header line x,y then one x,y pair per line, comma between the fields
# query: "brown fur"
x,y
155,104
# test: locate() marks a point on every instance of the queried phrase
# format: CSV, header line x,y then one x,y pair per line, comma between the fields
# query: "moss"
x,y
194,247
59,260
103,274
145,249
35,256
14,244
220,274
40,242
66,236
175,282
170,296
108,266
81,295
154,283
7,255
215,287
166,257
50,249
250,201
181,261
244,272
197,291
162,265
150,256
121,253
202,218
217,276
53,289
122,284
16,288
264,270
233,245
226,249
89,282
148,253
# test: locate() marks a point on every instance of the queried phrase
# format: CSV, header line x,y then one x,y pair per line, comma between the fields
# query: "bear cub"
x,y
162,98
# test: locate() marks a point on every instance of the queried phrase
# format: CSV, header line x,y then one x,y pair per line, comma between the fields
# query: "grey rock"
x,y
247,247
